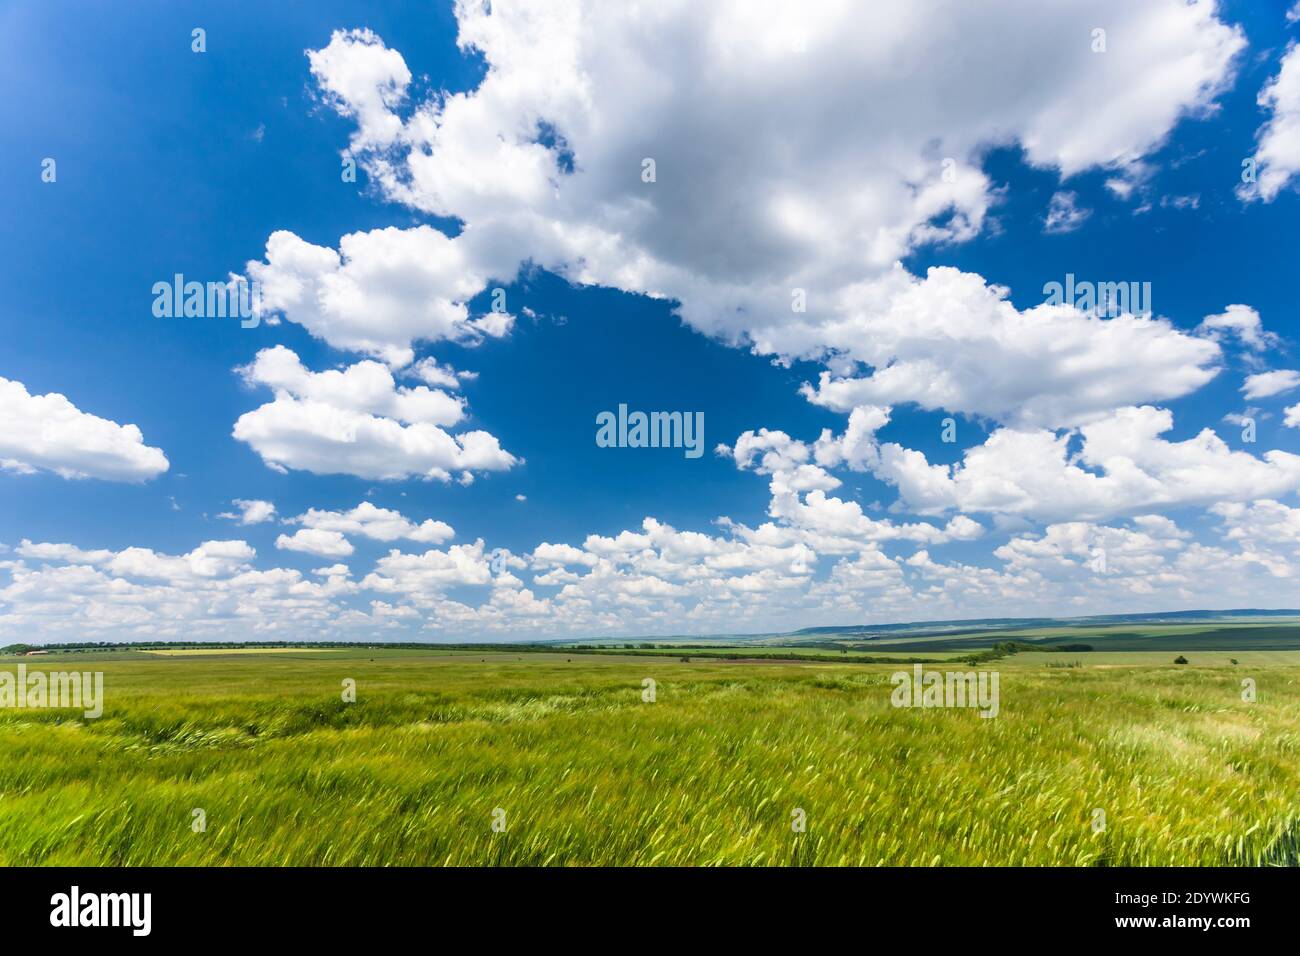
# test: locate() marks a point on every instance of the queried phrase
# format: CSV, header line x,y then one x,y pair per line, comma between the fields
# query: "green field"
x,y
1113,637
710,772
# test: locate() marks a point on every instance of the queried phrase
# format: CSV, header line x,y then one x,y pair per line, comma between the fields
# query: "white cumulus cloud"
x,y
329,544
1277,153
358,422
1265,384
591,147
49,433
380,524
251,511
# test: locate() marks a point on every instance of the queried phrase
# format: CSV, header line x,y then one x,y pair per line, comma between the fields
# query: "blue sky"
x,y
786,158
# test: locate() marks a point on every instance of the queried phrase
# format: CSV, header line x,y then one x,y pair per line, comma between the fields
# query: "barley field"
x,y
574,767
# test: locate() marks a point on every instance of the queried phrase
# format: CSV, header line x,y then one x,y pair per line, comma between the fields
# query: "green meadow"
x,y
1206,636
1104,758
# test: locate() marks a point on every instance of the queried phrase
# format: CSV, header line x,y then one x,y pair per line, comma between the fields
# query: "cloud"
x,y
761,203
548,555
380,524
1122,467
1074,548
423,576
440,376
1242,418
381,291
806,515
363,80
210,593
1277,151
1113,466
1265,384
49,551
545,161
250,511
657,579
932,342
329,544
1242,323
211,559
358,422
1133,178
1257,524
366,387
49,433
1064,214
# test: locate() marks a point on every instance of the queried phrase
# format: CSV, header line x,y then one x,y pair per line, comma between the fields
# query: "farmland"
x,y
565,754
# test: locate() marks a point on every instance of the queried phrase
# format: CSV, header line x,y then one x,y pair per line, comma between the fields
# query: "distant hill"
x,y
1000,623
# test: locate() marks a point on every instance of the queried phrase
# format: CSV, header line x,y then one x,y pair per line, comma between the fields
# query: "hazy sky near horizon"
x,y
858,243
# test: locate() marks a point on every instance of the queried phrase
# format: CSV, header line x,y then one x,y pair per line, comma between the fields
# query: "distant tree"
x,y
1180,659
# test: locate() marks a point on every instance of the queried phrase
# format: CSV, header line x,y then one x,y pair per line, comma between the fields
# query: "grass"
x,y
204,651
710,773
